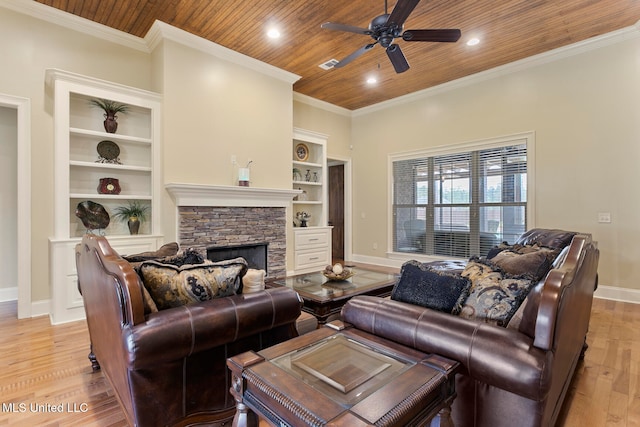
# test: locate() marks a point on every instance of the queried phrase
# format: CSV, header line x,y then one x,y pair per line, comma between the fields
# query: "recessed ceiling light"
x,y
372,80
273,33
473,41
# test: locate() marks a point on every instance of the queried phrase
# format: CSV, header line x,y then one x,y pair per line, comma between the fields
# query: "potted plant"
x,y
134,213
111,108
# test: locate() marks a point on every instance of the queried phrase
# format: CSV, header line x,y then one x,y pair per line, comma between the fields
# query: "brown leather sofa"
x,y
513,376
169,367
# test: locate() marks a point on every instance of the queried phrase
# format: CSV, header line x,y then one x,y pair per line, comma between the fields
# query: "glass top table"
x,y
343,377
324,298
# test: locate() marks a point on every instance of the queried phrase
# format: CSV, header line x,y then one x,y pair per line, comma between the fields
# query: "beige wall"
x,y
29,46
322,119
584,110
213,110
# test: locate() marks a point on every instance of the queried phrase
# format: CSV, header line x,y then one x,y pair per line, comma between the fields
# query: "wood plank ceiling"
x,y
509,30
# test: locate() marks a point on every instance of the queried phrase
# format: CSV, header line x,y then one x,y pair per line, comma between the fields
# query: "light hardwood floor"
x,y
46,379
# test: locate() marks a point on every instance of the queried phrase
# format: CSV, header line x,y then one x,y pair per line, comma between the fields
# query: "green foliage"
x,y
110,106
133,209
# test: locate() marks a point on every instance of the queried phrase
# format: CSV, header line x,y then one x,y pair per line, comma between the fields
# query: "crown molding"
x,y
157,32
75,23
323,105
161,31
558,54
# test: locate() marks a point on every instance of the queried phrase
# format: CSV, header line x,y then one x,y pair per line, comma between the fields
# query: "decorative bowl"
x,y
337,277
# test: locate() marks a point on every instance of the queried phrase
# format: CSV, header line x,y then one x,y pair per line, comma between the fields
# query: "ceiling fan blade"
x,y
401,12
342,27
354,55
446,35
397,58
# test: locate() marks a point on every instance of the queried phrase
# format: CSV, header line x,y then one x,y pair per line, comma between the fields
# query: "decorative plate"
x,y
108,150
302,152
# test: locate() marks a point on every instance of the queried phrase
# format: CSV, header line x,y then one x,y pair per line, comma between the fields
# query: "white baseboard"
x,y
8,294
40,308
618,294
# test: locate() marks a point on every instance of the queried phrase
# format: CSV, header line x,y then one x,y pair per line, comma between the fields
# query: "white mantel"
x,y
229,196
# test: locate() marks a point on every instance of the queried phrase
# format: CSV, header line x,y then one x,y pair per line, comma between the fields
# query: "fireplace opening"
x,y
254,253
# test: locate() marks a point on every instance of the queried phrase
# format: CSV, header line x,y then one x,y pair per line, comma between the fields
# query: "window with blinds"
x,y
460,204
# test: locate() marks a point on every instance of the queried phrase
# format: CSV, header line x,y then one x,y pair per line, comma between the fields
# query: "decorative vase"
x,y
110,122
134,225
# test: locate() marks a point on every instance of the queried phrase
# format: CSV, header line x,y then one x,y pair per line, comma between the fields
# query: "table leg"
x,y
244,416
443,419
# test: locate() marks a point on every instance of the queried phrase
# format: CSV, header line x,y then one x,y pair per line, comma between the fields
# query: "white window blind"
x,y
459,203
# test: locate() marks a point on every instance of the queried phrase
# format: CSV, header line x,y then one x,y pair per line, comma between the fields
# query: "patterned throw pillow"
x,y
534,264
173,286
421,285
495,296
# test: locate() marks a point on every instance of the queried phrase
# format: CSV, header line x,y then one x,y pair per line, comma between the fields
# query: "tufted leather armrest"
x,y
497,356
179,332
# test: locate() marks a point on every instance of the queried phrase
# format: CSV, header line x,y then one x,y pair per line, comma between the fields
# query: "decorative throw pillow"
x,y
423,286
149,305
253,281
173,286
476,270
534,263
495,296
169,249
187,257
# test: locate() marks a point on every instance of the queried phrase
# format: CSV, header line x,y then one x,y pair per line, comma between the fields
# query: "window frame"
x,y
527,138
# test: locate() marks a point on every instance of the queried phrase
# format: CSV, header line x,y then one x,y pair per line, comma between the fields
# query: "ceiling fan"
x,y
385,28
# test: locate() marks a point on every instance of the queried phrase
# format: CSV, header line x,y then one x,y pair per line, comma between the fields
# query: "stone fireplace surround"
x,y
211,215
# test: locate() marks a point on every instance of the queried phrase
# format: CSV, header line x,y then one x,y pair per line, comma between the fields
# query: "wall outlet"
x,y
604,217
375,246
234,160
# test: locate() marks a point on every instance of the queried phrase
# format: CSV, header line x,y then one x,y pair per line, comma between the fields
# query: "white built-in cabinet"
x,y
312,244
78,168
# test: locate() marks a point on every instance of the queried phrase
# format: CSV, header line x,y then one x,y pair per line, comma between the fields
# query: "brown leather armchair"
x,y
169,367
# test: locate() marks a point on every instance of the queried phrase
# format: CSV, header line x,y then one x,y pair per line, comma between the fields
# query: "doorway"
x,y
16,134
339,209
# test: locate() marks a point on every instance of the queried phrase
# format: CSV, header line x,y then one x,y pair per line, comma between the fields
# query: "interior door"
x,y
336,210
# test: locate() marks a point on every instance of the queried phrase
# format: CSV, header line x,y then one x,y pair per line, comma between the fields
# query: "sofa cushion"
x,y
172,286
421,285
495,296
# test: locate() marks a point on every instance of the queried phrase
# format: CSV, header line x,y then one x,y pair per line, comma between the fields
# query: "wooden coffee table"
x,y
324,298
342,377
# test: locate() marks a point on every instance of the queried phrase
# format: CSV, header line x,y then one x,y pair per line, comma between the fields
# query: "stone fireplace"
x,y
228,216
